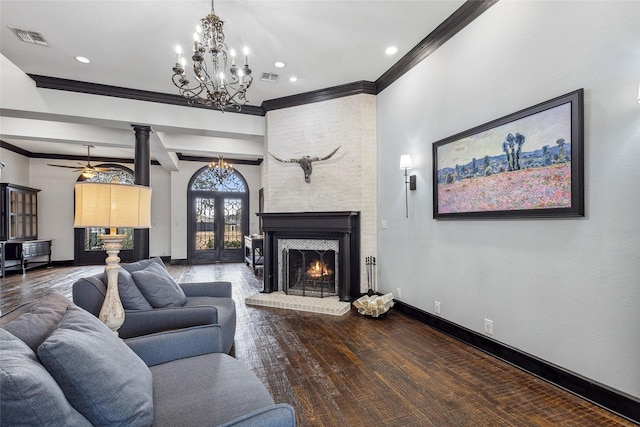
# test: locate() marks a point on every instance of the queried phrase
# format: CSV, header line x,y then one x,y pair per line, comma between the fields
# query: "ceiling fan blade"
x,y
63,166
101,169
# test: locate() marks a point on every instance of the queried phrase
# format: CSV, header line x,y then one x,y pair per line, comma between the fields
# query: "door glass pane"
x,y
233,224
13,208
207,181
13,227
205,224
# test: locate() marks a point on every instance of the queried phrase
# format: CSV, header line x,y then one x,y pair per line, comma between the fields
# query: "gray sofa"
x,y
60,366
148,310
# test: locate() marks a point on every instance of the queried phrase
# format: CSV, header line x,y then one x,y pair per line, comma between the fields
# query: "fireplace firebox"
x,y
312,253
309,267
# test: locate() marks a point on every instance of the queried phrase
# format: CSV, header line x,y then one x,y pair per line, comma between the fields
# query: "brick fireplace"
x,y
312,253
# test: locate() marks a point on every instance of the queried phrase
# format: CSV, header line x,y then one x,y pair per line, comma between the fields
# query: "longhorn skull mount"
x,y
306,161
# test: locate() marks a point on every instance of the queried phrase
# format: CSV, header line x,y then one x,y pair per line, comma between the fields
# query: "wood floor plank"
x,y
355,371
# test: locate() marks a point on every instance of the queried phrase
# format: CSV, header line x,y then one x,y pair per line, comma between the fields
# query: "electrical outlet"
x,y
398,292
488,326
383,223
437,307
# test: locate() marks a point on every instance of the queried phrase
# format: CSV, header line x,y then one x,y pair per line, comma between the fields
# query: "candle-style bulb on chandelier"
x,y
214,82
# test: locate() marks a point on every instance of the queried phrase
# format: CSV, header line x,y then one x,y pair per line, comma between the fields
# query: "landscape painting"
x,y
529,163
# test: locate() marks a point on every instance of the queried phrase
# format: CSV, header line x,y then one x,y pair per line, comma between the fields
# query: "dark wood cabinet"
x,y
24,255
20,248
19,213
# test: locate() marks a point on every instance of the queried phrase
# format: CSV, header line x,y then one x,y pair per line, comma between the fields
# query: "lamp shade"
x,y
112,205
405,161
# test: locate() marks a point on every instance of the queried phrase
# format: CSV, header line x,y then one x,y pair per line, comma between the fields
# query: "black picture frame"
x,y
489,171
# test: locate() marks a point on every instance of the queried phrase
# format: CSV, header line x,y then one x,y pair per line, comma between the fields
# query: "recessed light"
x,y
293,79
82,59
279,64
391,50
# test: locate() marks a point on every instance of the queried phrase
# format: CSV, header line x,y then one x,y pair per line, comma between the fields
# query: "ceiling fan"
x,y
87,170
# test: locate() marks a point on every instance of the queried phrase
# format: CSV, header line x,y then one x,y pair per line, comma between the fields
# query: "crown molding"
x,y
256,162
334,92
52,156
459,19
46,82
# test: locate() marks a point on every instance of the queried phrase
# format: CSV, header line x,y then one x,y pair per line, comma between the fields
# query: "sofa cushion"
x,y
34,326
28,393
158,287
130,295
101,377
226,390
141,265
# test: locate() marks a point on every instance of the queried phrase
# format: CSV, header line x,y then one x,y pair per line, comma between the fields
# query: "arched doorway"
x,y
88,247
217,212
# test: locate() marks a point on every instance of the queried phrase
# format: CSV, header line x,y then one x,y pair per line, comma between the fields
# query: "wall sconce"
x,y
409,181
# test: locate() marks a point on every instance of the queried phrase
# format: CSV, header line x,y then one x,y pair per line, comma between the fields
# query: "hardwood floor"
x,y
355,371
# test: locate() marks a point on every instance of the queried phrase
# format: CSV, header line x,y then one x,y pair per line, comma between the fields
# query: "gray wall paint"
x,y
564,290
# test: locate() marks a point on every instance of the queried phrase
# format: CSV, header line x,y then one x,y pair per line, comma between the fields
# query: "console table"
x,y
24,255
253,251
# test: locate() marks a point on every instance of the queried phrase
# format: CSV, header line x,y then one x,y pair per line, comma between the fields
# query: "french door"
x,y
217,225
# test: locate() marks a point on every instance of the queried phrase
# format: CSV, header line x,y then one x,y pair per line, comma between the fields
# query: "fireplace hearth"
x,y
312,253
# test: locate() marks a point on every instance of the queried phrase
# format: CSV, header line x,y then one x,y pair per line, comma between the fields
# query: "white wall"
x,y
345,182
16,170
564,290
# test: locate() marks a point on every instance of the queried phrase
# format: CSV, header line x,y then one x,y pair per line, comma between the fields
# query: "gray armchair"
x,y
206,303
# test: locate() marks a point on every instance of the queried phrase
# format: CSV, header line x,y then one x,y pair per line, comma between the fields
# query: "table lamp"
x,y
112,206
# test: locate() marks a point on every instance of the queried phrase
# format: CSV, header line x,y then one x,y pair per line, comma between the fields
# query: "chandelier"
x,y
221,170
214,84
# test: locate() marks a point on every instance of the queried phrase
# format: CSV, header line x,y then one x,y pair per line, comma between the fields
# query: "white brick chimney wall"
x,y
345,182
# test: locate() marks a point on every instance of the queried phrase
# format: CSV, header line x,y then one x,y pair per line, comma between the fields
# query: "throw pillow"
x,y
28,393
130,295
43,317
100,376
141,265
158,287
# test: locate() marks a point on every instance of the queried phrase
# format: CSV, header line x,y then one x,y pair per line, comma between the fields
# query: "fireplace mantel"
x,y
343,226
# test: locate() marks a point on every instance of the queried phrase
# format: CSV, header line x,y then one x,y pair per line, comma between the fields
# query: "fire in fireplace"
x,y
310,272
309,266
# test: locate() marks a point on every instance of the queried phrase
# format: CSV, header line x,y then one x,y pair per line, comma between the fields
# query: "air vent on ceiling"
x,y
33,37
270,77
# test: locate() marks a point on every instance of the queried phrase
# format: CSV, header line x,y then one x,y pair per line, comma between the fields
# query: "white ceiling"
x,y
131,44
